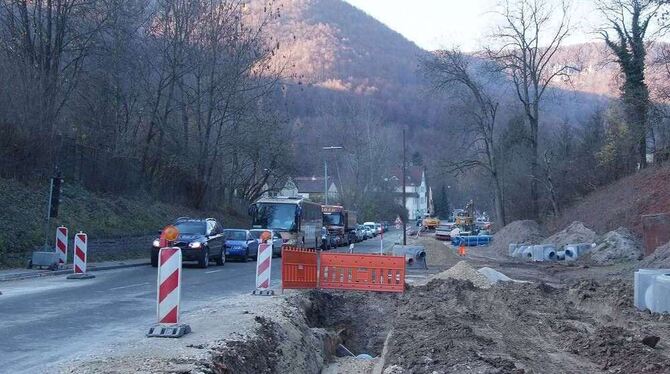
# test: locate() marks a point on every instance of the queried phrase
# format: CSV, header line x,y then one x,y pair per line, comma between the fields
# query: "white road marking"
x,y
128,286
212,271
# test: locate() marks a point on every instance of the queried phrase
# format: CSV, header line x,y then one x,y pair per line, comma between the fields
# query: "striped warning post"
x,y
168,295
79,258
263,268
61,245
169,285
80,249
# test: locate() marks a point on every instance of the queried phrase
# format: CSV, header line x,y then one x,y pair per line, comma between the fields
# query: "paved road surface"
x,y
48,320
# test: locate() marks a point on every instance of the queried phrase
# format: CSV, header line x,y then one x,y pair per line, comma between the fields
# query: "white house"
x,y
416,190
311,188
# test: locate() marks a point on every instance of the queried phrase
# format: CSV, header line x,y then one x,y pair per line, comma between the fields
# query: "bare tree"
x,y
451,70
630,21
532,33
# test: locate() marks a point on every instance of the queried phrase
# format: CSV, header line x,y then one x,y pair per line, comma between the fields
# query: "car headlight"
x,y
157,243
195,245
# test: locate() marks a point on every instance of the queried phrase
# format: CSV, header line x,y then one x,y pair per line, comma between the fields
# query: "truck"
x,y
351,222
335,221
297,220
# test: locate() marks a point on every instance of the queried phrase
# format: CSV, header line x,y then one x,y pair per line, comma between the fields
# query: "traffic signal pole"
x,y
48,217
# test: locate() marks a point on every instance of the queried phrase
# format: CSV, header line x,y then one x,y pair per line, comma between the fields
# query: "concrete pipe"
x,y
642,287
658,295
511,249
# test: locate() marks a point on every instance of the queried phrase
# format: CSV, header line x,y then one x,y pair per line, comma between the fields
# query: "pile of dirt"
x,y
517,232
450,326
463,271
660,259
617,246
575,233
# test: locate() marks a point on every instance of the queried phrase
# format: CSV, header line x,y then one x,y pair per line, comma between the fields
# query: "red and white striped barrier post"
x,y
168,295
264,266
79,258
61,245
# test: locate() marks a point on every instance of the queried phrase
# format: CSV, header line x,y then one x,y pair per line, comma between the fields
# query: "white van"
x,y
372,226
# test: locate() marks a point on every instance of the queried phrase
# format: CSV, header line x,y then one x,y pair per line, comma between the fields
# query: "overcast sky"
x,y
434,24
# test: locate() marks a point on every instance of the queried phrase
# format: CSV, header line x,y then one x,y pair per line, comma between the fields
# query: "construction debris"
x,y
615,246
576,232
659,259
517,232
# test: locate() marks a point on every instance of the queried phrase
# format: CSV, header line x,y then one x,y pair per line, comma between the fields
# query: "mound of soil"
x,y
463,271
575,233
450,326
617,246
517,232
660,259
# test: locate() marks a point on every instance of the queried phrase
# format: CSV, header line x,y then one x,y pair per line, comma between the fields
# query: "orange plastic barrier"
x,y
364,272
298,268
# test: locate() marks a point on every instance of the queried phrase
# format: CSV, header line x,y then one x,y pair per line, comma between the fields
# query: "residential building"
x,y
416,191
311,188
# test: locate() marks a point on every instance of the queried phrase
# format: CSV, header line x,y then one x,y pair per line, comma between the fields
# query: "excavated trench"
x,y
360,320
319,327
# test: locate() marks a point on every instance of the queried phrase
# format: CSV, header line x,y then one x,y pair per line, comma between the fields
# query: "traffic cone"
x,y
461,250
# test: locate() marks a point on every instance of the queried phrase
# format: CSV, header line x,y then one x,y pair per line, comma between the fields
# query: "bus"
x,y
296,219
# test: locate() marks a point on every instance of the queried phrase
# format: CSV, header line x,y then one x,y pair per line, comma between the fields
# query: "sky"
x,y
435,24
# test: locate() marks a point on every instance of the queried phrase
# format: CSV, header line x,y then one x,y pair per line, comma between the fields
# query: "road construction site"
x,y
484,312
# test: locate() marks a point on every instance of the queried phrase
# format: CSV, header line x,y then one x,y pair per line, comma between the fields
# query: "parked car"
x,y
276,240
238,244
378,228
200,239
360,233
372,226
443,232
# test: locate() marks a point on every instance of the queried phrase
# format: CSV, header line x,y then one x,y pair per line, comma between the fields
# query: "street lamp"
x,y
325,170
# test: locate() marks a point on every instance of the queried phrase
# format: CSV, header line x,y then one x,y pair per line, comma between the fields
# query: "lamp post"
x,y
325,171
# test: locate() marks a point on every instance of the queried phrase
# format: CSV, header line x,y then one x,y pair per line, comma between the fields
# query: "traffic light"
x,y
56,189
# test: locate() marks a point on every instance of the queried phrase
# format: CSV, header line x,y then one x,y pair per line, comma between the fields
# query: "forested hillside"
x,y
210,103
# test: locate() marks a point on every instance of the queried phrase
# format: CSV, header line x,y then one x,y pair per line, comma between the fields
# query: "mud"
x,y
451,326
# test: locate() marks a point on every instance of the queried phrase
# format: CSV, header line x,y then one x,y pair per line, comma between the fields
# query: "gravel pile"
x,y
518,232
660,259
615,246
575,233
463,271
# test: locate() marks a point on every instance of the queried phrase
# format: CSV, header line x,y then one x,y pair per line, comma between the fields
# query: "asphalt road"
x,y
49,320
46,321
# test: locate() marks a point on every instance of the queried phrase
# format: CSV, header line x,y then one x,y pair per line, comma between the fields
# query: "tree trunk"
x,y
501,220
534,170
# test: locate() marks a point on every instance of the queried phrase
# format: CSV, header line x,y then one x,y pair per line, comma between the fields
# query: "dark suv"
x,y
200,239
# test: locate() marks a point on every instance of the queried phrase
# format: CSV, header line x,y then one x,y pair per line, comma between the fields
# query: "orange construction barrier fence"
x,y
298,268
363,272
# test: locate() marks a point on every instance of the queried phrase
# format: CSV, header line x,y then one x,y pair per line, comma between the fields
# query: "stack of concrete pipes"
x,y
652,290
548,252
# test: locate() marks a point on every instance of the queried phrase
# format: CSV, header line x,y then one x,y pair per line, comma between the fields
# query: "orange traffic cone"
x,y
461,250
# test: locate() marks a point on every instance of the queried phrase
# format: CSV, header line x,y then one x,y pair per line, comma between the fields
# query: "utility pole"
x,y
404,197
325,180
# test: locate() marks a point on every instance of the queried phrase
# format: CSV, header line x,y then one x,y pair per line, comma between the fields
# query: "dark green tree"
x,y
442,206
